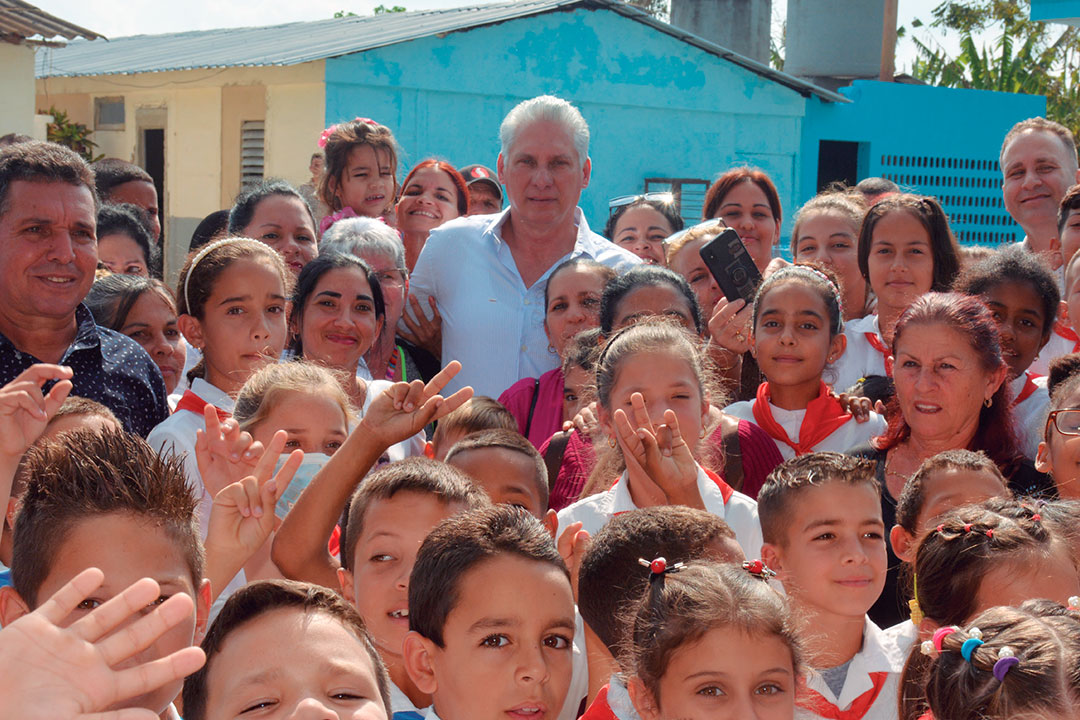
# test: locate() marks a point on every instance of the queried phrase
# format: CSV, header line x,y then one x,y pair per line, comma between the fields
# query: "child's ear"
x,y
770,555
837,347
345,581
643,700
12,606
203,602
902,542
192,330
1043,459
499,169
417,652
551,522
607,422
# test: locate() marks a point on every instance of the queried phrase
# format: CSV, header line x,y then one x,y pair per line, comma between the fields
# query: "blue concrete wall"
x,y
935,141
1063,11
656,106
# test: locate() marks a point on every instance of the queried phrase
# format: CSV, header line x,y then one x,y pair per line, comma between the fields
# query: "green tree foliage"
x,y
64,131
1026,57
379,10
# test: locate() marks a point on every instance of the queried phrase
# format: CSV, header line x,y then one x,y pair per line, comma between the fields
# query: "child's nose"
x,y
532,665
312,709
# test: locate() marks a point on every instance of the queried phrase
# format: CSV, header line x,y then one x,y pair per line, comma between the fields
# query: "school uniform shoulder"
x,y
743,410
860,358
593,511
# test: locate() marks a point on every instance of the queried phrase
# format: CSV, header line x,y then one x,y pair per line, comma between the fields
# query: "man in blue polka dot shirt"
x,y
48,255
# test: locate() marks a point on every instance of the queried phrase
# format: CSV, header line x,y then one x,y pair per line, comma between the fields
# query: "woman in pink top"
x,y
572,304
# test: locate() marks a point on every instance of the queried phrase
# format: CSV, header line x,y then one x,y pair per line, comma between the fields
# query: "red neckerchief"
x,y
1068,333
816,703
194,403
599,709
824,415
726,491
1025,392
875,342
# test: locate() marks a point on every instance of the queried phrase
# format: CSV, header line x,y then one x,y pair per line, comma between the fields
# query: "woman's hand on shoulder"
x,y
419,329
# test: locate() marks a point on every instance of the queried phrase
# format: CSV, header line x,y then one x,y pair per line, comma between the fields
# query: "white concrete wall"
x,y
16,89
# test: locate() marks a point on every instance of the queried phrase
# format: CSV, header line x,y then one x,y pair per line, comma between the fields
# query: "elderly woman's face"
x,y
941,383
394,284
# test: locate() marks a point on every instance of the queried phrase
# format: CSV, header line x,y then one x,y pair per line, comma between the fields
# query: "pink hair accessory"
x,y
369,121
326,135
942,633
326,222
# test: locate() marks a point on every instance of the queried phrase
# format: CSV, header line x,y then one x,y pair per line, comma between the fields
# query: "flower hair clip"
x,y
758,569
325,136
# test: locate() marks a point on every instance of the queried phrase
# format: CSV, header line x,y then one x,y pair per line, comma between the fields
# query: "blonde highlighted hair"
x,y
264,390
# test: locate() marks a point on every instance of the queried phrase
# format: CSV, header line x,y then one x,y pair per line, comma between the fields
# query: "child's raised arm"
x,y
49,672
299,549
24,412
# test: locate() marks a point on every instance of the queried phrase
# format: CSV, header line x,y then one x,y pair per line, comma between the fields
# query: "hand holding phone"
x,y
730,263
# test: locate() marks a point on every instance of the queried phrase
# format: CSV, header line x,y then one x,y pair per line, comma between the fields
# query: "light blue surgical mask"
x,y
313,463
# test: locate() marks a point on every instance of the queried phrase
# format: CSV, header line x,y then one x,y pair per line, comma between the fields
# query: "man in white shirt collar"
x,y
488,272
1038,164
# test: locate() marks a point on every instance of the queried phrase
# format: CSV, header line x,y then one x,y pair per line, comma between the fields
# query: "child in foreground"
x,y
711,641
282,649
821,519
479,645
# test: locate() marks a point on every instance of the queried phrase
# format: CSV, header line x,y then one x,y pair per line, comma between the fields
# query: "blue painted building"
x,y
663,104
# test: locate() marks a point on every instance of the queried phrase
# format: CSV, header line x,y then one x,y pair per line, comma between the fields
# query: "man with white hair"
x,y
487,273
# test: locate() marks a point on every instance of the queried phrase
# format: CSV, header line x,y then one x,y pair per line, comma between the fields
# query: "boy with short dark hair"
x,y
477,414
491,621
119,181
506,466
288,641
108,501
611,578
821,522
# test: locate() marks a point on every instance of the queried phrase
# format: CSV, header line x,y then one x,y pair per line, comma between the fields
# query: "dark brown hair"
x,y
1063,378
779,495
513,441
112,297
42,162
1043,636
952,560
458,545
943,248
611,579
83,475
912,497
446,484
1014,265
342,139
679,608
109,173
971,318
255,600
478,413
716,193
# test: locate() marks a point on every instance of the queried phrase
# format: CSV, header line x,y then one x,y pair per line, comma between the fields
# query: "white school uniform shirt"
x,y
491,322
860,358
401,707
739,512
880,653
1063,340
579,678
1029,415
176,434
841,439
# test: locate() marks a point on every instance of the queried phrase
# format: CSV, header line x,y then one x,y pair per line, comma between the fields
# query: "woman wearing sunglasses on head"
x,y
641,223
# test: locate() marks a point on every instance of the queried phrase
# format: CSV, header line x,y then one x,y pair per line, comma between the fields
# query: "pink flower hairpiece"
x,y
326,222
325,136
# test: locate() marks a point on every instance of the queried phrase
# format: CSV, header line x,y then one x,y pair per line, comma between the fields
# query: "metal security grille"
x,y
252,152
688,194
969,190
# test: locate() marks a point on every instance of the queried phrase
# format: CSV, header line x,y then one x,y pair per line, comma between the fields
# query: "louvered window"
x,y
252,150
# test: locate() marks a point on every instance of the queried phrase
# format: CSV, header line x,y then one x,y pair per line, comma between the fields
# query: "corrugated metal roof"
x,y
300,42
21,21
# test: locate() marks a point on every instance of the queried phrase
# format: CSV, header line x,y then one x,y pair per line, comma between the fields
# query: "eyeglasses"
x,y
1066,421
395,277
614,204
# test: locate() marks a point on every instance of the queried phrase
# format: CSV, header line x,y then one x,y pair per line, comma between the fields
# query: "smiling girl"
x,y
906,249
797,334
827,231
273,212
433,192
361,170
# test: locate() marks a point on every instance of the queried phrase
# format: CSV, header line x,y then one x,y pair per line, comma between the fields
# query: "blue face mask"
x,y
313,463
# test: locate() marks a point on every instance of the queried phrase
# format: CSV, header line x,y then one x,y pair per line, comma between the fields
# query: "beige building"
x,y
212,127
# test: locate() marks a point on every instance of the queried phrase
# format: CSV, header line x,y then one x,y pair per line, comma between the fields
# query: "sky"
x,y
134,17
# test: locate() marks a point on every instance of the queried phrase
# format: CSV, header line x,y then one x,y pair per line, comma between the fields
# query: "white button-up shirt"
x,y
491,323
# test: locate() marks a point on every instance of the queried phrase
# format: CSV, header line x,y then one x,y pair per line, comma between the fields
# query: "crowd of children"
x,y
708,509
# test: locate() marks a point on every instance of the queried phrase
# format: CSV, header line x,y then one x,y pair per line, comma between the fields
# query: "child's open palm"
x,y
49,672
224,454
403,409
25,410
658,460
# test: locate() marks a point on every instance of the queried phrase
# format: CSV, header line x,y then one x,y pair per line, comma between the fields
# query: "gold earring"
x,y
988,402
611,442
